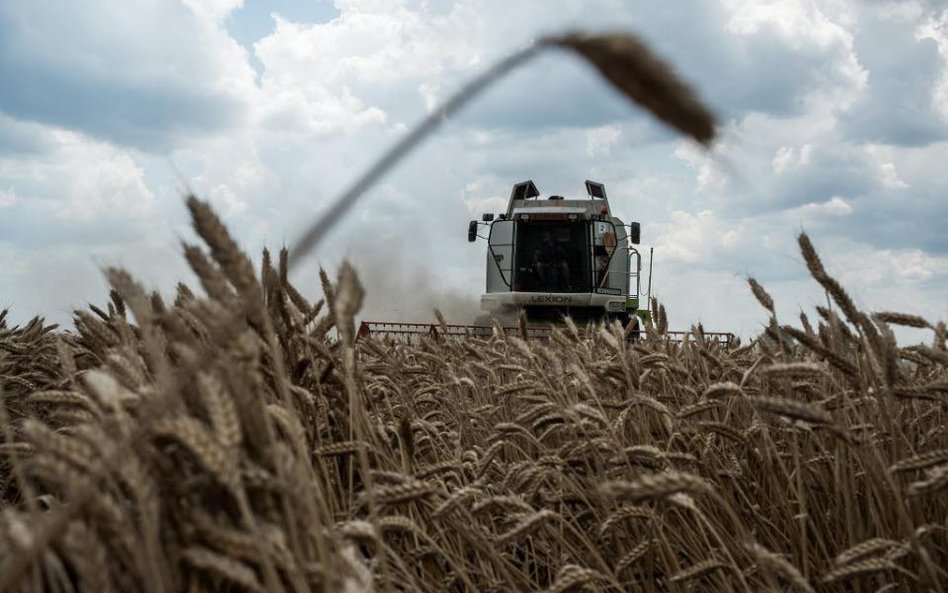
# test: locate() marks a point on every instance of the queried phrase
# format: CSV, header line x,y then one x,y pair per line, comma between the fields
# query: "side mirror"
x,y
487,217
635,233
472,231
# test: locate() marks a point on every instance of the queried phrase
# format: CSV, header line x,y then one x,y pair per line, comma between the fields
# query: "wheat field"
x,y
240,438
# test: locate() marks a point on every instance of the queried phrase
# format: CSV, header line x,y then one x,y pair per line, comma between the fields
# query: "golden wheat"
x,y
230,440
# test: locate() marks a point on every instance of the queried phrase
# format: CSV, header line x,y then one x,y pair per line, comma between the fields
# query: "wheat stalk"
x,y
655,486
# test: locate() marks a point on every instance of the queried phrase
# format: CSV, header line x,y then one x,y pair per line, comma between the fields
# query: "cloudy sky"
x,y
833,119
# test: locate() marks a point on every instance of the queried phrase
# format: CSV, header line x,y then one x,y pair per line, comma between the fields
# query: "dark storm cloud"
x,y
555,91
109,71
734,73
148,118
21,139
888,228
897,108
830,172
893,206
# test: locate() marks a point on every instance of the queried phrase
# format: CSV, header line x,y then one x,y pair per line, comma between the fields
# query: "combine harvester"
x,y
553,258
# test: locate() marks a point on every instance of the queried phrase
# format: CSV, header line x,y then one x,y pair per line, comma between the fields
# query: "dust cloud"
x,y
400,287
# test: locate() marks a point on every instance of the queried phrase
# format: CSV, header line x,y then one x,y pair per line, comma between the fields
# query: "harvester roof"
x,y
525,199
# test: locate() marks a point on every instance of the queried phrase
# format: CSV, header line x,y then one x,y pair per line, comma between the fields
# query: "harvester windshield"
x,y
552,256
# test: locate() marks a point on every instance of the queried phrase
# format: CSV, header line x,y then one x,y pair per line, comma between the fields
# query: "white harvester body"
x,y
558,256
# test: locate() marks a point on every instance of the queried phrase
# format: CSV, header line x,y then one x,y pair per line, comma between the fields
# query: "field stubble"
x,y
225,442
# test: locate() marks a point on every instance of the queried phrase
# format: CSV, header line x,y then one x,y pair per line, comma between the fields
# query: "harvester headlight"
x,y
615,305
572,217
525,217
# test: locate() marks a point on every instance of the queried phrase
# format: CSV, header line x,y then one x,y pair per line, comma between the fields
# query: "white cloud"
x,y
865,268
79,179
7,197
807,25
599,141
430,94
935,27
890,177
369,6
478,203
815,212
900,10
331,76
789,157
709,177
783,158
215,10
56,279
693,238
225,201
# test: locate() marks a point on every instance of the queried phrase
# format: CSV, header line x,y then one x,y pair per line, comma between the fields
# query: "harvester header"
x,y
550,258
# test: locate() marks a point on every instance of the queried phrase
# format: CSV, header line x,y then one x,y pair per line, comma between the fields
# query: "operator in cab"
x,y
552,267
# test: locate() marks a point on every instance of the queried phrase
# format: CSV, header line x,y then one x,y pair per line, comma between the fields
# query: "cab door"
x,y
500,245
610,258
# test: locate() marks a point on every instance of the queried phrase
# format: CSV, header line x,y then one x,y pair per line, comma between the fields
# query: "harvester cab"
x,y
561,256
